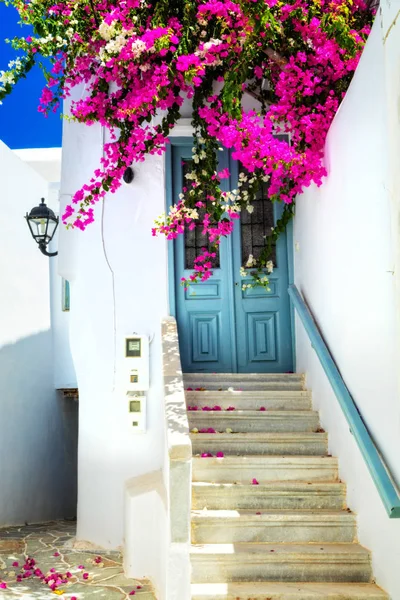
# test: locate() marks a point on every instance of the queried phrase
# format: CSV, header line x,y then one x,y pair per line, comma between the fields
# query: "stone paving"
x,y
52,546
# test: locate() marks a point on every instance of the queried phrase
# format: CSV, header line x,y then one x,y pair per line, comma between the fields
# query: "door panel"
x,y
262,317
205,312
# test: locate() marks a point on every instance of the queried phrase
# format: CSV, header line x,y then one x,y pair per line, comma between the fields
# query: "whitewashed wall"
x,y
118,275
33,418
63,365
346,265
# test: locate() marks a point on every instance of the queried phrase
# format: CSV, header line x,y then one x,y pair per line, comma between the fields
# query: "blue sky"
x,y
21,125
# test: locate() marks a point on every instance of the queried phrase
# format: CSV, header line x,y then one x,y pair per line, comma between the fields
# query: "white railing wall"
x,y
178,468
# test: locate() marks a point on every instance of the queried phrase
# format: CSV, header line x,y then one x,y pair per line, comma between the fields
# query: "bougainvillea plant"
x,y
139,60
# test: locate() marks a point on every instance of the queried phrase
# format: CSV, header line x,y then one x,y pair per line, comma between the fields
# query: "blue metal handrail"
x,y
379,472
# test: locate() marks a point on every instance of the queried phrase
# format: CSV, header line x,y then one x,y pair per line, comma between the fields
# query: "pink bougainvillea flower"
x,y
231,408
193,408
138,587
216,408
56,554
189,389
3,585
85,576
81,566
220,455
262,408
132,593
15,564
98,560
254,481
206,455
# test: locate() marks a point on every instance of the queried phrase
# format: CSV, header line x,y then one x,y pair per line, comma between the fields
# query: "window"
x,y
65,296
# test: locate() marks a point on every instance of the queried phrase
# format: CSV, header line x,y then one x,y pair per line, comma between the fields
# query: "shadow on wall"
x,y
38,440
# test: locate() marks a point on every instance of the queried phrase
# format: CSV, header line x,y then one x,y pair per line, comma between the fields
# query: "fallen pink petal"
x,y
220,455
254,481
3,585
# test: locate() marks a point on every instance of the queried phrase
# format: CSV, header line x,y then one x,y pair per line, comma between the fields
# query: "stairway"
x,y
269,516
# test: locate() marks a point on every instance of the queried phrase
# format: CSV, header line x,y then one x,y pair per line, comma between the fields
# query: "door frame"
x,y
169,201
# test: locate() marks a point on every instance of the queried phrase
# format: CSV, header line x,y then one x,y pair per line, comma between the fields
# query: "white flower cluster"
x,y
107,31
15,64
7,77
251,261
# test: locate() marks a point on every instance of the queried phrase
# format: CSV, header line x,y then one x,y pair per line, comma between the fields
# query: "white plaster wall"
x,y
63,364
118,276
45,161
32,453
346,266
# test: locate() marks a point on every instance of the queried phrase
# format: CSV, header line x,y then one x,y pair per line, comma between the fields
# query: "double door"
x,y
222,326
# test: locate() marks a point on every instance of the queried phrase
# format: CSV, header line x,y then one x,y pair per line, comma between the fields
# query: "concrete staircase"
x,y
269,516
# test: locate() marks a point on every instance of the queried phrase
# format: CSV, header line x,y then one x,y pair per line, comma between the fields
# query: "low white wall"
x,y
118,277
346,267
34,485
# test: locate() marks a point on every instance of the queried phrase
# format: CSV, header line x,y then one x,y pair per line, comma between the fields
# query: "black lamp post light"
x,y
42,224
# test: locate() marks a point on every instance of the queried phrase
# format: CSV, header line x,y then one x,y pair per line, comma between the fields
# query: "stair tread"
x,y
246,514
261,435
243,376
253,413
249,393
287,591
288,485
263,458
311,549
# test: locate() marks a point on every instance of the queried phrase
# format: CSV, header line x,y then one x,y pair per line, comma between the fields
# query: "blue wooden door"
x,y
223,328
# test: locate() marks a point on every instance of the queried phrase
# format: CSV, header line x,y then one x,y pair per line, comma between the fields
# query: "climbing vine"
x,y
140,60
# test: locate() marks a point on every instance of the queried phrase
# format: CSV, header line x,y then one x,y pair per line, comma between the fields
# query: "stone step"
x,y
275,495
253,420
262,468
232,526
260,443
239,377
213,563
287,591
251,400
243,385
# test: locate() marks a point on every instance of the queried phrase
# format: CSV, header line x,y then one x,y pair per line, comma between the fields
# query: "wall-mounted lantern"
x,y
42,224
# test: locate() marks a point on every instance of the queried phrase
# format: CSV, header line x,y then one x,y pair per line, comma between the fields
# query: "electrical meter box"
x,y
137,363
137,379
